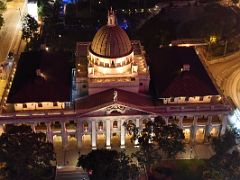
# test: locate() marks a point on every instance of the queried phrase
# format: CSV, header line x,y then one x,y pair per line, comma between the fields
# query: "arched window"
x,y
85,126
115,124
100,126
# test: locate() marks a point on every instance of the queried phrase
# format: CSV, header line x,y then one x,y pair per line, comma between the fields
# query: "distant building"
x,y
109,85
32,9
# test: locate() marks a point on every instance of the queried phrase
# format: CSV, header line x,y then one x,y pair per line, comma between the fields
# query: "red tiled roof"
x,y
186,84
30,87
106,97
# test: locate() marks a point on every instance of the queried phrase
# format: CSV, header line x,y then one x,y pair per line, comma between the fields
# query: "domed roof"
x,y
111,40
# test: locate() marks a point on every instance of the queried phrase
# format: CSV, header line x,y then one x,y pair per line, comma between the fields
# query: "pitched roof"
x,y
167,79
53,82
106,97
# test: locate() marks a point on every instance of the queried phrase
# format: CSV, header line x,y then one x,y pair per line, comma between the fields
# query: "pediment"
x,y
117,109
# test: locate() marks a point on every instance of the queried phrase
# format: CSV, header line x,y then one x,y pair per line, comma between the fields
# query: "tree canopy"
x,y
108,165
224,164
235,1
29,27
25,154
224,143
168,137
2,8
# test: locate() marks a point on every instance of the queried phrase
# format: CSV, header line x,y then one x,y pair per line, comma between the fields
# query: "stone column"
x,y
122,134
166,120
224,122
137,126
64,135
193,130
1,129
79,134
49,132
108,134
208,129
94,136
180,123
33,127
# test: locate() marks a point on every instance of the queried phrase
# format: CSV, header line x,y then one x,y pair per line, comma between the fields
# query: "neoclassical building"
x,y
112,82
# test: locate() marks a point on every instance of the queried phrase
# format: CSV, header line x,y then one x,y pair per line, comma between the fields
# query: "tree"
x,y
2,8
220,167
168,137
235,1
224,143
108,165
45,9
29,28
25,154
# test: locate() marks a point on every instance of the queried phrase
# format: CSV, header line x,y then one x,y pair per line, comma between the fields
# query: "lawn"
x,y
186,169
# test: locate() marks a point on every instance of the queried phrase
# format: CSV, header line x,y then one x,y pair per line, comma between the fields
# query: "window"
x,y
85,126
40,105
115,124
172,99
201,98
24,105
55,104
100,125
186,98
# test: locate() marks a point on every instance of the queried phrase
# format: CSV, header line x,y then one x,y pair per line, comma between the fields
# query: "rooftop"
x,y
168,79
42,77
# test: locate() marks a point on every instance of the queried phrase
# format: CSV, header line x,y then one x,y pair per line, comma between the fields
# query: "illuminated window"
x,y
100,125
85,126
115,124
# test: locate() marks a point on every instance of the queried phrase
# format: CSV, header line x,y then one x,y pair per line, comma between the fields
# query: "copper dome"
x,y
111,42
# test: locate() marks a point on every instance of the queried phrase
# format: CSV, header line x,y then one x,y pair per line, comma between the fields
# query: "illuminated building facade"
x,y
109,85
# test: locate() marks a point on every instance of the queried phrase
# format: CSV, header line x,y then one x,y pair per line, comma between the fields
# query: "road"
x,y
226,73
73,174
11,28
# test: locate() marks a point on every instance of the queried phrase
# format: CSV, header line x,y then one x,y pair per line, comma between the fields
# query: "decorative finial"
x,y
111,18
115,96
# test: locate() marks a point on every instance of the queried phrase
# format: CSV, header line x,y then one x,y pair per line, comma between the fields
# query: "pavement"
x,y
10,38
11,27
70,156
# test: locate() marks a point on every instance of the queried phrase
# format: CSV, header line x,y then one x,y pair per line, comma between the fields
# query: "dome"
x,y
111,41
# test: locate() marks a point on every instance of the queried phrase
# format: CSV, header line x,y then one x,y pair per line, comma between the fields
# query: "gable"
x,y
117,109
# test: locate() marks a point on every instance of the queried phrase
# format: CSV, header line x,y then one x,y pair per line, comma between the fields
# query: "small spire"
x,y
111,18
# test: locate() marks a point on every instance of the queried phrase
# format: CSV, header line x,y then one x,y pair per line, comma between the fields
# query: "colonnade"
x,y
115,126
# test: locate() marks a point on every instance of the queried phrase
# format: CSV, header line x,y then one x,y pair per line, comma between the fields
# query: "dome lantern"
x,y
111,18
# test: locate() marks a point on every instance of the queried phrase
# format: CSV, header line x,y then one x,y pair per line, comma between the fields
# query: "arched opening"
x,y
56,126
85,127
200,135
115,124
187,133
100,126
214,132
41,127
